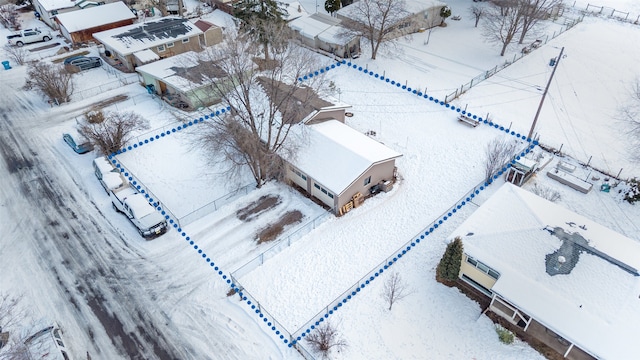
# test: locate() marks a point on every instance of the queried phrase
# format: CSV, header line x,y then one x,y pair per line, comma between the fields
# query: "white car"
x,y
47,344
110,178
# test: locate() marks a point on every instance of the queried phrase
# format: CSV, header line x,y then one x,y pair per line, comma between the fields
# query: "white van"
x,y
47,344
110,178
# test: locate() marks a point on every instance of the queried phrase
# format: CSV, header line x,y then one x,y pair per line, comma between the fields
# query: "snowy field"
x,y
442,160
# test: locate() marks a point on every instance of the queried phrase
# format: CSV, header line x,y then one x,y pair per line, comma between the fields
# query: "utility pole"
x,y
535,119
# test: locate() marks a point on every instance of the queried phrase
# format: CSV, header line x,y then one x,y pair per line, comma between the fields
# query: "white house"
x,y
418,14
339,165
320,31
47,10
565,279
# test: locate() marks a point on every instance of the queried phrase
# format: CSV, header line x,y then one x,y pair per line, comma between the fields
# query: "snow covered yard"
x,y
442,160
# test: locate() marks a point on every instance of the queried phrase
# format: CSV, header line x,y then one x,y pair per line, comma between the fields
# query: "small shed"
x,y
521,171
79,26
211,33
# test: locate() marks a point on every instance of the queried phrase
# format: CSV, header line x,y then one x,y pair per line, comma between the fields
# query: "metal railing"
x,y
280,245
569,23
215,204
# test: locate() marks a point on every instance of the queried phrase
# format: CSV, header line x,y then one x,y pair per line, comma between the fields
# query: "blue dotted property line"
x,y
175,225
415,92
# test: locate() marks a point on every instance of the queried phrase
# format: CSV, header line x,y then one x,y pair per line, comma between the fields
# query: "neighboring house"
x,y
338,165
47,10
211,33
138,44
320,31
420,15
564,279
168,78
79,26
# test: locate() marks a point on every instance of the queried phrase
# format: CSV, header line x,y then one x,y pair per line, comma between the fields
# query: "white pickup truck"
x,y
128,201
28,36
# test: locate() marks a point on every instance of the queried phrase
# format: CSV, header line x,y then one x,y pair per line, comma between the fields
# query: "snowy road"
x,y
114,295
89,263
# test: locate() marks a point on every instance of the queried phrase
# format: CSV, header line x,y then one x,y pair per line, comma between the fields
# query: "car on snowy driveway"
x,y
80,63
83,148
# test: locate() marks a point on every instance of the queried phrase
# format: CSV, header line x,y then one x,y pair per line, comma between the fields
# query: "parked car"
x,y
28,36
83,148
83,62
47,344
109,176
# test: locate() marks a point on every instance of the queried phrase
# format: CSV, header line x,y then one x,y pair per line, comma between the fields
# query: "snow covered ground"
x,y
442,161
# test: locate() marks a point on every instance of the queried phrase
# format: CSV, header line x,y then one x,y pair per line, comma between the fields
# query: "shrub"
x,y
325,339
449,266
505,336
633,192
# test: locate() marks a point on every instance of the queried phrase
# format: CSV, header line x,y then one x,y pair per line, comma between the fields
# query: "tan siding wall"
x,y
475,274
378,173
213,36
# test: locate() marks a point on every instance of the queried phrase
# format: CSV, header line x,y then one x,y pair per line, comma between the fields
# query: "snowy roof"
x,y
50,5
95,16
132,38
411,6
219,18
146,55
595,305
326,28
294,11
167,70
336,155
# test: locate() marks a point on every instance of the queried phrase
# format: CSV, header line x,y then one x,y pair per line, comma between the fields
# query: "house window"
x,y
330,195
161,48
184,41
367,181
483,267
170,45
324,191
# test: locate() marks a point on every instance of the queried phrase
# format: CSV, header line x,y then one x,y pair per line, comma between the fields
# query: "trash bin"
x,y
6,65
552,62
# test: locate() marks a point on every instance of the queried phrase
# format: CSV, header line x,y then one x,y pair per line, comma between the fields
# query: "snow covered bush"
x,y
505,336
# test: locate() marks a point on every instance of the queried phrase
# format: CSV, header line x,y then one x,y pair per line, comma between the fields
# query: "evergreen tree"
x,y
449,266
258,18
445,12
331,6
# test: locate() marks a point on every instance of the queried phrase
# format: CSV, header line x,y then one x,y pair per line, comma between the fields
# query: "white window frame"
x,y
186,40
161,48
170,45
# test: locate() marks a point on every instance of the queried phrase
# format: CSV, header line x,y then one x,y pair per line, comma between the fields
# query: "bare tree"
x,y
477,12
326,339
17,54
629,116
394,289
498,153
377,20
12,315
54,81
110,131
503,23
9,16
534,11
267,101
